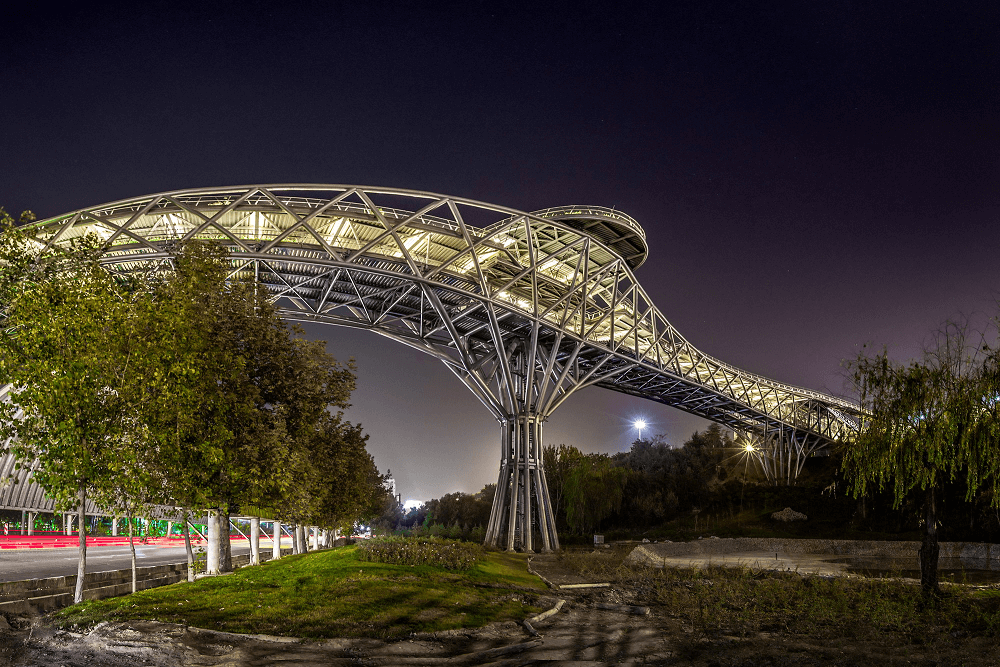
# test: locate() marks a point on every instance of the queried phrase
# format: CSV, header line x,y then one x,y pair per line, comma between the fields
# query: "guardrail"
x,y
72,541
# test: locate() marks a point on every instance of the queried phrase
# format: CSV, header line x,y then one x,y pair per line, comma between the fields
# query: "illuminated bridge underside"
x,y
523,308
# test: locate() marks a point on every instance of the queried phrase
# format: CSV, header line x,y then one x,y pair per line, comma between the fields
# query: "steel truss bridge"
x,y
524,308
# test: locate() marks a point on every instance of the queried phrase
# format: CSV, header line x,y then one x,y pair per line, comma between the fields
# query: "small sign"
x,y
598,539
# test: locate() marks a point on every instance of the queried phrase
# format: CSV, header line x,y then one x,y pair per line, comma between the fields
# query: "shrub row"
x,y
448,554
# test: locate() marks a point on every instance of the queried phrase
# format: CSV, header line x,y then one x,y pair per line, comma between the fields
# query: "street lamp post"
x,y
639,425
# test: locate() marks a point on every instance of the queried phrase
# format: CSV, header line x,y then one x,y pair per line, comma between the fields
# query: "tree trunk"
x,y
81,563
131,545
255,541
929,550
276,540
296,548
187,548
212,562
225,546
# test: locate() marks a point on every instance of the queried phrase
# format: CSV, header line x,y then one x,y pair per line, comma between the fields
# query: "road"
x,y
18,564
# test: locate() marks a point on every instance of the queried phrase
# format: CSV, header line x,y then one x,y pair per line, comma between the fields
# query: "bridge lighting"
x,y
639,424
749,448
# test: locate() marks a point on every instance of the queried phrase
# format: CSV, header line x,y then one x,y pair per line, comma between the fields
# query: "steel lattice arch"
x,y
524,308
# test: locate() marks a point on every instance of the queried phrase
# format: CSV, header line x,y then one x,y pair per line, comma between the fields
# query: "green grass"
x,y
332,594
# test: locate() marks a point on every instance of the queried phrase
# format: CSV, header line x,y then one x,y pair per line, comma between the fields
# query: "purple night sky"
x,y
811,176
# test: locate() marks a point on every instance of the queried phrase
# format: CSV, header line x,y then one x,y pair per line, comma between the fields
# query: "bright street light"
x,y
639,425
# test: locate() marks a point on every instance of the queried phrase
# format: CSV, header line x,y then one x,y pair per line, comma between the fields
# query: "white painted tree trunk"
x,y
255,541
188,549
276,544
214,547
81,565
131,546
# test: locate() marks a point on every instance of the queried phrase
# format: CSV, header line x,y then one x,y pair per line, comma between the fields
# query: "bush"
x,y
448,554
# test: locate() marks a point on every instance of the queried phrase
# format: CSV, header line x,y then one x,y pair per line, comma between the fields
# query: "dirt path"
x,y
595,626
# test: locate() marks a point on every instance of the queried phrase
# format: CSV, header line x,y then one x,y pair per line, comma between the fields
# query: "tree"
x,y
593,491
558,463
67,352
926,424
236,397
337,482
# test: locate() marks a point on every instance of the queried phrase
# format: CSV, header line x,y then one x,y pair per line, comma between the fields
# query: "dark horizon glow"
x,y
811,177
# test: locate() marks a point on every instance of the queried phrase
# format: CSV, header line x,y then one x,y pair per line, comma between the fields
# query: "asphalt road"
x,y
18,564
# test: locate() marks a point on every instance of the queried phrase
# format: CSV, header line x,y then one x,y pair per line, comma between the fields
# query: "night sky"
x,y
811,176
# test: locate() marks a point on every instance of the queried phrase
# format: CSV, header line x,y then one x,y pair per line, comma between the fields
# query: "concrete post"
x,y
24,524
255,540
276,544
214,543
114,526
31,522
170,528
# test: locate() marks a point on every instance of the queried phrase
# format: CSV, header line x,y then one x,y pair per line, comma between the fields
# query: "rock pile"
x,y
788,514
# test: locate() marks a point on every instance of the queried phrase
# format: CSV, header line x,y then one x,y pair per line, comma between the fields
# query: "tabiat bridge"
x,y
524,308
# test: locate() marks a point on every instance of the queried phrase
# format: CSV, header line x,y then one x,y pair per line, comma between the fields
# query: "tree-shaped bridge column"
x,y
522,386
522,504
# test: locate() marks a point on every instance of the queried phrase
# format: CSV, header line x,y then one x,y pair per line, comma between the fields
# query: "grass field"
x,y
332,594
743,601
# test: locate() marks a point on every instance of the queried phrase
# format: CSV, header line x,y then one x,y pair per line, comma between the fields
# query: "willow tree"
x,y
594,490
927,423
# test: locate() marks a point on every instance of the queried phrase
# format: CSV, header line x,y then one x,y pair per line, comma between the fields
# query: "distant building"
x,y
390,485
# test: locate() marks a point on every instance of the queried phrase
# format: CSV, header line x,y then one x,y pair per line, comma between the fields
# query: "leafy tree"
x,y
337,482
926,424
558,463
238,399
67,350
594,490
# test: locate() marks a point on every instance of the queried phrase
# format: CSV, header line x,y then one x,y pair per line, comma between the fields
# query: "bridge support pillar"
x,y
521,507
31,522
